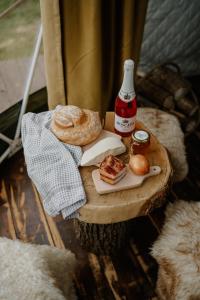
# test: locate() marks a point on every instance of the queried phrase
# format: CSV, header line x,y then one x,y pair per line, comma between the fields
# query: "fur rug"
x,y
33,272
167,129
177,252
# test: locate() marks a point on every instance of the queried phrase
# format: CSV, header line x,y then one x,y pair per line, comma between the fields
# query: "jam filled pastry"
x,y
112,169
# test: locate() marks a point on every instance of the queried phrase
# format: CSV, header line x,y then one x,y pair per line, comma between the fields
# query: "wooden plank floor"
x,y
127,276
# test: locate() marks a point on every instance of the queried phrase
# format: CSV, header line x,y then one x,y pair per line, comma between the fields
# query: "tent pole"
x,y
29,81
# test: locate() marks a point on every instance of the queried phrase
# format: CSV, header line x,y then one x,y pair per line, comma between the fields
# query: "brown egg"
x,y
139,164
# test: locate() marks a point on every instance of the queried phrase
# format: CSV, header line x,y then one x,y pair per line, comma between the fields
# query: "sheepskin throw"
x,y
177,252
33,272
167,129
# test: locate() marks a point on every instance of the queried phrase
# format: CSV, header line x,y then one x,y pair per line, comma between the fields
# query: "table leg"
x,y
102,238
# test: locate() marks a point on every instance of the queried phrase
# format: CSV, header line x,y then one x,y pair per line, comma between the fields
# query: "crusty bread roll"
x,y
75,126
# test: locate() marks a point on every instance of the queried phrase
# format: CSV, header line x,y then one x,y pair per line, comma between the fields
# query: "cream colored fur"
x,y
177,252
167,129
30,272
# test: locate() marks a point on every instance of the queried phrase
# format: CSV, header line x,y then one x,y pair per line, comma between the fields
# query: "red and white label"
x,y
124,124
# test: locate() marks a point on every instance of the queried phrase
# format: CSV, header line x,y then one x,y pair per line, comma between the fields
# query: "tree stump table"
x,y
102,226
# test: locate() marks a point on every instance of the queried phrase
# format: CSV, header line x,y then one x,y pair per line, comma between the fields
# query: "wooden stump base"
x,y
102,239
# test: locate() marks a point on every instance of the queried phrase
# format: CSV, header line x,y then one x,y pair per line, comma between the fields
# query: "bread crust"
x,y
75,126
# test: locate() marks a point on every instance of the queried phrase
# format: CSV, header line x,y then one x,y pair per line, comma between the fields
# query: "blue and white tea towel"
x,y
52,166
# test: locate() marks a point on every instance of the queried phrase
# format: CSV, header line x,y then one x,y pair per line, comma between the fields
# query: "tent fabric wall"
x,y
172,33
85,45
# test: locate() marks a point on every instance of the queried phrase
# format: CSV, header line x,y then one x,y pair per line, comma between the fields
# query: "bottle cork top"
x,y
127,91
129,63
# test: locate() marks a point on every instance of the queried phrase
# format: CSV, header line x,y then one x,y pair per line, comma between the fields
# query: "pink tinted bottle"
x,y
125,103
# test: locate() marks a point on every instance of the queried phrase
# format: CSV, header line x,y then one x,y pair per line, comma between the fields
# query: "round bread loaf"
x,y
75,126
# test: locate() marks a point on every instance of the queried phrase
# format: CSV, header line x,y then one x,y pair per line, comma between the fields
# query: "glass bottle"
x,y
125,103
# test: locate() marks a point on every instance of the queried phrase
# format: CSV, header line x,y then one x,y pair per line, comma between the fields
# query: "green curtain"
x,y
85,45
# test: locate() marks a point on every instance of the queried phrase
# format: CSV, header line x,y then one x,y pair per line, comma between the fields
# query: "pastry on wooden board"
x,y
112,169
74,125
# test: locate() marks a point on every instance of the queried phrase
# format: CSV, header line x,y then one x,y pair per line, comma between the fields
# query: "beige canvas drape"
x,y
85,45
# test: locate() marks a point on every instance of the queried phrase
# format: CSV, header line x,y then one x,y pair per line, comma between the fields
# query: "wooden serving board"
x,y
129,181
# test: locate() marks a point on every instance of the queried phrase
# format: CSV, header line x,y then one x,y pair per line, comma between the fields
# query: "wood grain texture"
x,y
112,279
7,228
102,238
105,209
27,220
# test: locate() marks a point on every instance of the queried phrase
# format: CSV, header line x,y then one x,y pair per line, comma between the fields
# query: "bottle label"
x,y
126,97
124,124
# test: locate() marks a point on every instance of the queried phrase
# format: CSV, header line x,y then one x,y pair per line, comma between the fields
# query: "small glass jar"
x,y
140,141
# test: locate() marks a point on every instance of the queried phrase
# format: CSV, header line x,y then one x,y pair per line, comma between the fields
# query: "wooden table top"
x,y
124,205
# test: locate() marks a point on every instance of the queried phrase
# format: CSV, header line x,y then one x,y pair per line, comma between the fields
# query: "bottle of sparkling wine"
x,y
125,103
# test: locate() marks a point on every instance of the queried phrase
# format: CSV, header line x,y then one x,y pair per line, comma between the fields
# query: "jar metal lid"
x,y
141,136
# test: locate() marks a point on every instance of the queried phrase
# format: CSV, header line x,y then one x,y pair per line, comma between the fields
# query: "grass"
x,y
18,29
4,4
